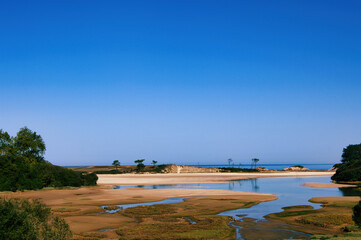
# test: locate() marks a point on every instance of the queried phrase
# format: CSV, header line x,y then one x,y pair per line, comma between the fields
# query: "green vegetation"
x,y
230,160
357,214
22,165
31,220
326,221
140,165
169,221
347,236
232,169
254,162
116,164
350,167
299,166
131,169
335,217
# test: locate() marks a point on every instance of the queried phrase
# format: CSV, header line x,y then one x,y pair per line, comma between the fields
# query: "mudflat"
x,y
193,178
81,207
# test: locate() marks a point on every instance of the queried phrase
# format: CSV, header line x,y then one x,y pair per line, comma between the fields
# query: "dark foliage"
x,y
32,220
22,165
356,217
299,166
350,167
230,169
150,169
140,165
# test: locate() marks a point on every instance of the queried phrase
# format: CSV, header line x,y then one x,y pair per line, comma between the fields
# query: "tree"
x,y
154,162
140,165
6,142
22,165
350,167
229,161
255,161
29,145
30,219
116,164
357,214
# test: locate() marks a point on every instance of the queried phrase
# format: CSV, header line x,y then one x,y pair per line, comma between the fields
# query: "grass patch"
x,y
89,236
63,210
294,213
110,208
342,204
210,227
148,211
137,197
297,207
326,220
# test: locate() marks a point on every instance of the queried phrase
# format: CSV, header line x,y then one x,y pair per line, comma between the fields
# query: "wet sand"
x,y
193,178
81,207
327,185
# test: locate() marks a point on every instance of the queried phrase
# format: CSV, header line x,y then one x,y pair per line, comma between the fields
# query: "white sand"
x,y
192,178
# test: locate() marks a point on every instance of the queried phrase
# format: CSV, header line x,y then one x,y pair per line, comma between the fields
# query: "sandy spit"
x,y
192,178
326,185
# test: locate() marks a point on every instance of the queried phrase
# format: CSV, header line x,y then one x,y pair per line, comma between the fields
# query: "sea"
x,y
320,167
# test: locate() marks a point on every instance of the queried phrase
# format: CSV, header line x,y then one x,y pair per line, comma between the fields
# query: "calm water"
x,y
319,167
290,190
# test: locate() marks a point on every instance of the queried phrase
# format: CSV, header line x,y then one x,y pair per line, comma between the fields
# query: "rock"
x,y
296,169
189,169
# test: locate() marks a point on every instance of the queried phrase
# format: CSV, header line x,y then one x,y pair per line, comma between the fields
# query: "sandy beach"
x,y
327,185
193,178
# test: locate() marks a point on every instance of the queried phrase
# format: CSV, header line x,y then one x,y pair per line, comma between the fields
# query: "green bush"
x,y
350,167
230,169
356,217
31,220
22,165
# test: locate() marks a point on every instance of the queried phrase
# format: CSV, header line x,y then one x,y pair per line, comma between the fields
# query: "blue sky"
x,y
183,81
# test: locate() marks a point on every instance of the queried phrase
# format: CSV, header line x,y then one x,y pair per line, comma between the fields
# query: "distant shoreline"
x,y
193,178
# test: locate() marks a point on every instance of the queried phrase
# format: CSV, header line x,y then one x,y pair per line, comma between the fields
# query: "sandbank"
x,y
193,178
326,185
81,207
335,199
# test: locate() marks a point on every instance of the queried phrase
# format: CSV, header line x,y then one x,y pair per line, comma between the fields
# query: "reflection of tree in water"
x,y
155,187
351,191
254,184
230,185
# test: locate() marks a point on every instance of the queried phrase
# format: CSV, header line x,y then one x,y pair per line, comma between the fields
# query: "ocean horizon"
x,y
275,166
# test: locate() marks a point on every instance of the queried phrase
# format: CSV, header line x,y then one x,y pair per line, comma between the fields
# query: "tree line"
x,y
350,167
22,165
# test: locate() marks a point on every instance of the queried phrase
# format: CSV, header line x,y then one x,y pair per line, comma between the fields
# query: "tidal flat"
x,y
242,209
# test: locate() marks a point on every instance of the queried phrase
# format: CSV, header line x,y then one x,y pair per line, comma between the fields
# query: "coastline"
x,y
193,178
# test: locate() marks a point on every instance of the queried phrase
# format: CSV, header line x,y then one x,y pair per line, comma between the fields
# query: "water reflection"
x,y
290,191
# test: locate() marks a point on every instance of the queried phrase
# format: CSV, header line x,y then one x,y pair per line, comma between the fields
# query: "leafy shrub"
x,y
230,169
350,167
299,166
22,165
356,217
31,220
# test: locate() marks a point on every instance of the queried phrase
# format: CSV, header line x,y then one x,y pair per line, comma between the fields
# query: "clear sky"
x,y
183,81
